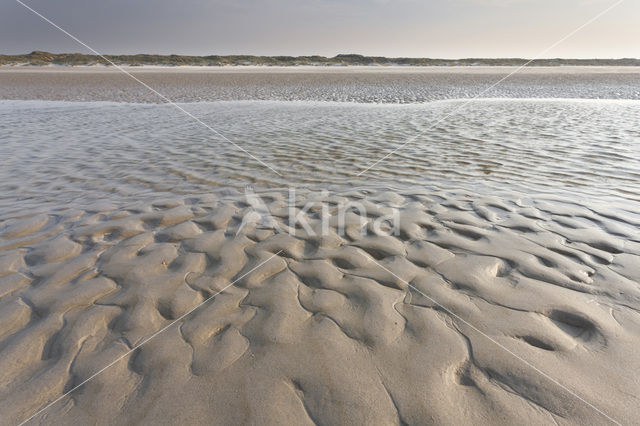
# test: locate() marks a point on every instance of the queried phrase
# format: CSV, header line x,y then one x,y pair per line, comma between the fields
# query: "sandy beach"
x,y
374,84
319,213
152,273
448,322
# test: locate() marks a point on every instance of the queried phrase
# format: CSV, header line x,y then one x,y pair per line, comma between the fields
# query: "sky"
x,y
394,28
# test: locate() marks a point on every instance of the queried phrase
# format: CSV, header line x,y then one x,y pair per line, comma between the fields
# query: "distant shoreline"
x,y
38,58
317,69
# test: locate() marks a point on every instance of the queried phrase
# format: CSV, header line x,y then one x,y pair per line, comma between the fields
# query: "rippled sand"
x,y
86,152
321,332
341,84
509,294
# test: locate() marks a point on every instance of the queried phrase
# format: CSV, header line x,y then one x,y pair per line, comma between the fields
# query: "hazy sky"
x,y
418,28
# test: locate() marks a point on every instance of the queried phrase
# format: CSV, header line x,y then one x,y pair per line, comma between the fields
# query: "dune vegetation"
x,y
73,59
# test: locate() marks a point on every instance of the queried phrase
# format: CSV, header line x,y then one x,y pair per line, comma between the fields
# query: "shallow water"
x,y
337,84
56,153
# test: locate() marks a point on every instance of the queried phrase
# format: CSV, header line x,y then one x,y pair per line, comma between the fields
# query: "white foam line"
x,y
163,97
501,346
492,86
147,340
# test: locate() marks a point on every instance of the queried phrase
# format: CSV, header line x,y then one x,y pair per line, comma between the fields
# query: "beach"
x,y
319,246
370,84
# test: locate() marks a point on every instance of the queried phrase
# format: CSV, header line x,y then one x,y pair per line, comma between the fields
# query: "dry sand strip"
x,y
321,333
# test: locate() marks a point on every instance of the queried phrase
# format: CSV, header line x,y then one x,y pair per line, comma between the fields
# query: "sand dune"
x,y
349,328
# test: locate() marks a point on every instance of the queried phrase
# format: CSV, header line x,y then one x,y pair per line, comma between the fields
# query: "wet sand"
x,y
340,84
509,292
332,329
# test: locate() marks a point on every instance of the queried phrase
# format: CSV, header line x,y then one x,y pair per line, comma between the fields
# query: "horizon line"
x,y
343,57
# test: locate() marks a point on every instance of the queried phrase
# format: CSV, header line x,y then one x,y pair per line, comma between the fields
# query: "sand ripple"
x,y
321,333
522,237
336,84
580,149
